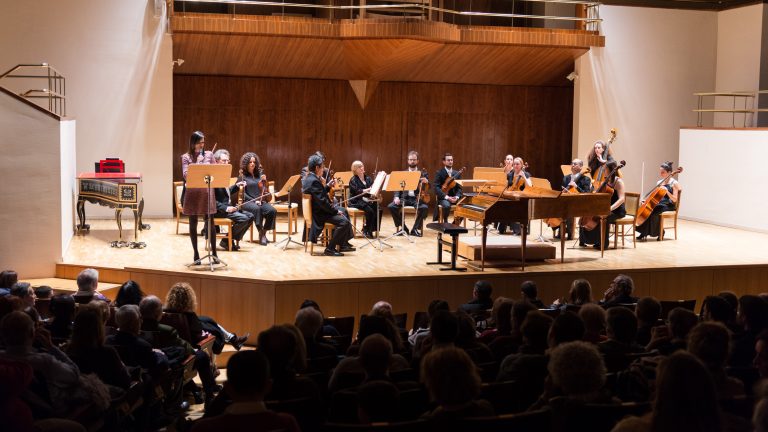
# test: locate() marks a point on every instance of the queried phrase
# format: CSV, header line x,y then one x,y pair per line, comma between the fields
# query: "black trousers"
x,y
369,208
263,215
593,236
446,205
651,225
397,215
241,220
342,234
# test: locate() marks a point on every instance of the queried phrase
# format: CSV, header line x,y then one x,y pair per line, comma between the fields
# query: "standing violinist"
x,y
452,195
618,210
650,228
196,201
359,187
410,198
324,212
575,182
517,179
256,194
241,219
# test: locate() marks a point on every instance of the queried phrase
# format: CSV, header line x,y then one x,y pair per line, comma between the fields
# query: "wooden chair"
x,y
631,204
353,212
669,215
282,207
306,211
177,187
179,322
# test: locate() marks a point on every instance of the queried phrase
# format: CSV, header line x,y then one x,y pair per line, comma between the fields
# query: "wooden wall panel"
x,y
158,284
285,120
240,307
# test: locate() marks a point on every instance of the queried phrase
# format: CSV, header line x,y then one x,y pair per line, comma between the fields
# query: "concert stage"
x,y
265,285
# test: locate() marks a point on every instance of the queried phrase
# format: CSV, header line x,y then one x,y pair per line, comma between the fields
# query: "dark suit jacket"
x,y
440,178
135,351
398,194
322,209
583,183
223,199
163,336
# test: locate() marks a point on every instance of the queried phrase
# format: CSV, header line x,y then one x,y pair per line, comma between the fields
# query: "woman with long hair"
x,y
359,185
197,202
618,210
264,213
651,226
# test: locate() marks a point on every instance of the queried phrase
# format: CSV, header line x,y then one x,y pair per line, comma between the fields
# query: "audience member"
x,y
7,279
88,351
182,299
717,309
454,385
87,287
648,312
43,292
278,343
500,340
419,335
621,331
579,294
129,293
466,339
530,293
309,321
377,402
489,327
674,336
326,329
371,324
63,314
26,293
594,318
248,383
444,328
761,354
529,366
710,342
753,315
567,327
481,298
619,292
133,350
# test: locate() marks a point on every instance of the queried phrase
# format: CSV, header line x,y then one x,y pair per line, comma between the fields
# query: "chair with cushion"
x,y
306,211
631,203
667,215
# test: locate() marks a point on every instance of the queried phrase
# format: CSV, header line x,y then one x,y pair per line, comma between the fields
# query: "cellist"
x,y
650,228
575,182
256,195
618,210
597,159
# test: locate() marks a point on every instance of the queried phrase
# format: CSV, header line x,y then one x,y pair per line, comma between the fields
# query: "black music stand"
x,y
207,176
403,181
286,190
376,188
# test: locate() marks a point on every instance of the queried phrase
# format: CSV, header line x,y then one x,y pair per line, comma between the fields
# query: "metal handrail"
x,y
592,19
746,95
55,92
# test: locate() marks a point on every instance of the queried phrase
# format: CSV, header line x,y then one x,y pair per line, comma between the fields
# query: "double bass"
x,y
591,222
653,198
607,153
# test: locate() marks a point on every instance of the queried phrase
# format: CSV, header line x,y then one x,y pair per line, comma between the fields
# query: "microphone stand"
x,y
288,240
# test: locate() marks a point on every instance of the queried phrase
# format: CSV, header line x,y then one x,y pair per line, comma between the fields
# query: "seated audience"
x,y
621,331
279,345
374,362
529,366
418,336
43,292
648,312
444,328
510,343
619,292
326,329
309,321
686,399
87,287
182,299
454,385
710,342
674,336
88,351
129,293
26,293
567,327
63,313
133,350
248,383
579,295
7,279
760,361
499,339
372,324
717,309
530,292
753,315
594,318
466,339
377,401
481,298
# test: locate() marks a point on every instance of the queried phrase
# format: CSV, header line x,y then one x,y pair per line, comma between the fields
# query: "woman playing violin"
x,y
517,180
257,192
651,225
197,202
359,186
618,210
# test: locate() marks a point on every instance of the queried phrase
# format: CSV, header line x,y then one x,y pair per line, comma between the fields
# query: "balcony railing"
x,y
55,89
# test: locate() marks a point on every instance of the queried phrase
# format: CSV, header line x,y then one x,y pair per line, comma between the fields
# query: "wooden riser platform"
x,y
265,285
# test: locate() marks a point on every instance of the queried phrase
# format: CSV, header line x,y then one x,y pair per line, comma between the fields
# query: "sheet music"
x,y
378,183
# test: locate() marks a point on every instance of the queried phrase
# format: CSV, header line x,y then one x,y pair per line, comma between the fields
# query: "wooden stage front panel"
x,y
265,285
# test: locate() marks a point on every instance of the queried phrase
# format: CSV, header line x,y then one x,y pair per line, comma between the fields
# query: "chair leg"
x,y
177,225
229,237
615,235
634,237
306,239
675,227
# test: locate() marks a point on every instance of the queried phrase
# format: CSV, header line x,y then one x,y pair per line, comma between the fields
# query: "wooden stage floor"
x,y
265,285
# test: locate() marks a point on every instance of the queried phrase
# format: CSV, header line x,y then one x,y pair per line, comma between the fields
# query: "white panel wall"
x,y
731,193
116,57
67,146
642,83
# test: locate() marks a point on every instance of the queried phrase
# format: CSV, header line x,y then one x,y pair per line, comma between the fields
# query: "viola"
x,y
264,186
424,195
591,222
653,198
450,182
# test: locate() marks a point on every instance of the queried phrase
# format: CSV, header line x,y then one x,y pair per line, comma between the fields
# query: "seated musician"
x,y
650,228
411,199
452,196
507,164
359,187
255,180
517,179
575,182
596,161
241,219
618,211
324,212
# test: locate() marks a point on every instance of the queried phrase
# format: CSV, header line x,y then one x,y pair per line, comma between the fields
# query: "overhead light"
x,y
178,62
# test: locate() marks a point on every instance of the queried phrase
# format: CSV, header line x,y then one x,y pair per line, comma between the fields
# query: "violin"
x,y
591,222
264,186
519,183
423,195
450,182
653,198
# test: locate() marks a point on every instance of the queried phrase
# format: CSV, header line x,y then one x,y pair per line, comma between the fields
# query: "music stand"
x,y
376,188
207,176
402,181
286,190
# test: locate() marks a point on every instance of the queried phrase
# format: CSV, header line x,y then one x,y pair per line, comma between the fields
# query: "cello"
x,y
607,154
591,222
653,198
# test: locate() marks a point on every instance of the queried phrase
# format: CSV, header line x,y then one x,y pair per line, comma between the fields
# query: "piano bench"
x,y
453,231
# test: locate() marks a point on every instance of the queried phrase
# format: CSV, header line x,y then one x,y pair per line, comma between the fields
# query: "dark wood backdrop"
x,y
286,120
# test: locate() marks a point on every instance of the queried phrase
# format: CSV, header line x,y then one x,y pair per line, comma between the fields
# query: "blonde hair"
x,y
356,164
181,298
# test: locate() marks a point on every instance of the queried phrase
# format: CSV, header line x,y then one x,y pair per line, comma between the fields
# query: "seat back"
x,y
420,320
179,322
631,202
571,415
306,208
177,188
668,305
344,325
533,421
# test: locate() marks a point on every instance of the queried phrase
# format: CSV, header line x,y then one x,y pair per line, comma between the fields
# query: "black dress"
x,y
593,236
264,213
358,201
651,225
514,183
